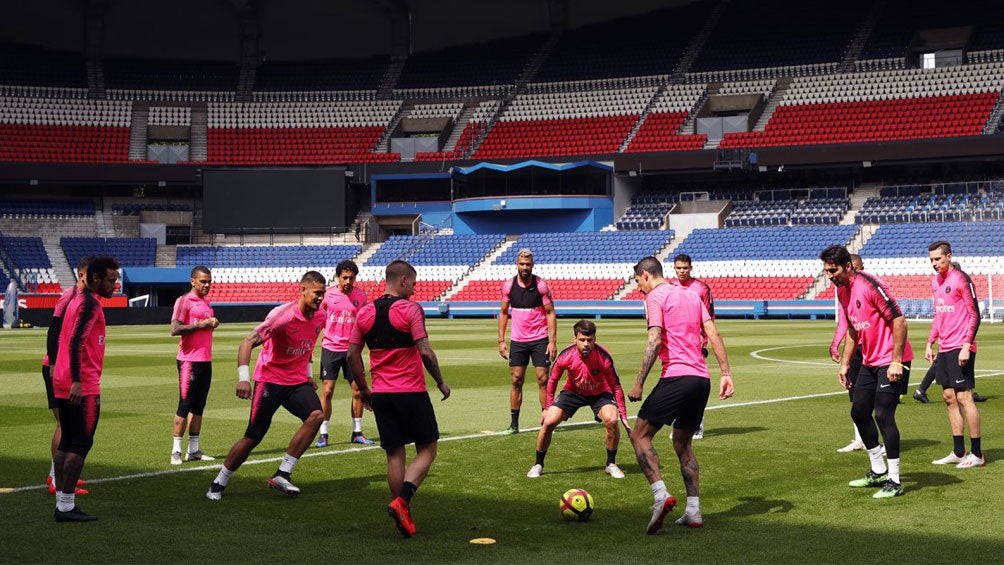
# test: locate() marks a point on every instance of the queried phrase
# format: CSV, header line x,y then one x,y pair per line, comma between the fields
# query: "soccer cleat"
x,y
978,397
322,441
613,470
699,434
74,515
872,479
853,446
510,431
921,397
198,456
950,459
659,511
691,520
215,491
890,489
971,460
176,458
360,439
535,471
283,485
398,510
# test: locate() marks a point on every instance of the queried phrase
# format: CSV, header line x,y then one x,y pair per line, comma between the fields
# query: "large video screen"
x,y
274,201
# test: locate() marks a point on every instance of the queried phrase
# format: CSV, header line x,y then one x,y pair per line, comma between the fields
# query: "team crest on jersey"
x,y
857,303
355,303
595,372
948,290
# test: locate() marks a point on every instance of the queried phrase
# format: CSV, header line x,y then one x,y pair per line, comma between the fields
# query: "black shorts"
x,y
520,353
852,374
874,378
79,424
332,362
403,418
948,373
299,400
194,379
677,398
571,401
47,379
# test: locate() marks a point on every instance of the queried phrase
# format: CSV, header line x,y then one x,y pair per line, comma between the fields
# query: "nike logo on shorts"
x,y
959,382
884,386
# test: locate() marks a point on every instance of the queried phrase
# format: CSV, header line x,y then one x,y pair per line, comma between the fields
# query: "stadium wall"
x,y
529,214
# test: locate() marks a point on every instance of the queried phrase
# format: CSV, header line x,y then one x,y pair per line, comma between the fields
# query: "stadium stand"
x,y
72,131
565,123
267,133
29,65
129,251
45,208
136,74
492,67
571,271
661,129
354,75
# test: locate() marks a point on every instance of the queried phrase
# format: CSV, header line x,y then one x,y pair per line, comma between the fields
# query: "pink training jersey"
x,y
590,376
64,300
956,312
838,335
394,370
81,355
870,310
288,343
339,312
702,289
189,309
528,324
681,315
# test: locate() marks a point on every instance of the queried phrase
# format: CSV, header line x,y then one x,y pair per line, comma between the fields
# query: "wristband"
x,y
310,369
243,373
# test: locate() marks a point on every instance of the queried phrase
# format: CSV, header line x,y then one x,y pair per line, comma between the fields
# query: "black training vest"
x,y
383,335
528,297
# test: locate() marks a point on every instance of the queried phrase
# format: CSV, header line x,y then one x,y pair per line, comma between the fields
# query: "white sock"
x,y
193,443
894,470
52,470
288,462
659,490
878,464
224,477
857,435
65,502
324,427
357,425
177,445
693,505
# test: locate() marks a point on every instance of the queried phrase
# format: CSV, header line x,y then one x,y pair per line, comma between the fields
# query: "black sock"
x,y
976,449
540,457
407,491
958,446
611,456
514,414
282,474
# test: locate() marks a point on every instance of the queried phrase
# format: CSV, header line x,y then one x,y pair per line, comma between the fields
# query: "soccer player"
x,y
875,321
339,307
193,319
393,328
682,266
956,321
283,377
592,381
533,335
677,323
76,383
52,351
920,395
838,337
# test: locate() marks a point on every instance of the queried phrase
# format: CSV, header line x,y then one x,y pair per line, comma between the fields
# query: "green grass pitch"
x,y
773,487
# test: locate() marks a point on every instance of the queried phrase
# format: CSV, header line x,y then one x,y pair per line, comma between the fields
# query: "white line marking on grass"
x,y
328,452
756,355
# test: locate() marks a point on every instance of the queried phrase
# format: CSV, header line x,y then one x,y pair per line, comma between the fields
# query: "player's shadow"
x,y
755,505
929,480
916,443
734,431
993,455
